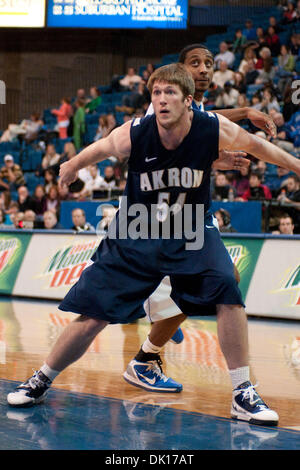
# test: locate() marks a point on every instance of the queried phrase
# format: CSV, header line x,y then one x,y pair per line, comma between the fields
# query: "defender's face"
x,y
169,103
200,64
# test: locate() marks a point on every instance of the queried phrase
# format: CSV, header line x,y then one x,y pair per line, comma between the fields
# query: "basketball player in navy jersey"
x,y
126,270
199,61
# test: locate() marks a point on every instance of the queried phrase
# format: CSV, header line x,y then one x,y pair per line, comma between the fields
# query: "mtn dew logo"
x,y
293,282
66,266
239,255
7,249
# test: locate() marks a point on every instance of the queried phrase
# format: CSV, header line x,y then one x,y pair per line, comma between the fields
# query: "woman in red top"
x,y
63,115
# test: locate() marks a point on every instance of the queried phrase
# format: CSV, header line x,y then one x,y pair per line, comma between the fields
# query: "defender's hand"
x,y
263,121
231,161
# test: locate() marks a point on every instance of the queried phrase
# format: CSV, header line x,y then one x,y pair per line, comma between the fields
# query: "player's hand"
x,y
67,174
231,161
263,121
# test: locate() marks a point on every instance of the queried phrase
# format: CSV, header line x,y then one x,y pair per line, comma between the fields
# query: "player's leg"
x,y
247,405
70,346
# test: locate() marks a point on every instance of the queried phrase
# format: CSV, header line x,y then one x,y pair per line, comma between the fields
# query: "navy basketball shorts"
x,y
126,272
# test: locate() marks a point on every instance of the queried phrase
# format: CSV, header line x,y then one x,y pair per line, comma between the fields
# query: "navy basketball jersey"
x,y
172,177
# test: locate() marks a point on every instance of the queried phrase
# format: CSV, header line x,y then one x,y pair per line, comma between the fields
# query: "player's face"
x,y
200,64
169,103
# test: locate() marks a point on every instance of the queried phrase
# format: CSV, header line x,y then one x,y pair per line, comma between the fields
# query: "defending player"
x,y
126,270
145,370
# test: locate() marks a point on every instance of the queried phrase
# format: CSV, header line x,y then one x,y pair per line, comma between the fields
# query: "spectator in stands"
x,y
239,82
225,55
51,222
11,175
5,200
69,151
3,223
80,95
109,180
293,44
290,194
64,193
52,200
249,55
264,55
50,180
222,188
256,101
139,98
285,68
63,114
241,182
286,226
267,73
25,201
94,101
298,11
12,211
95,181
108,214
51,157
281,180
256,191
249,31
79,124
239,42
261,39
28,129
289,16
39,197
228,98
273,41
112,122
269,101
18,220
211,94
274,23
79,221
102,130
251,73
223,75
130,81
29,220
243,101
283,139
224,220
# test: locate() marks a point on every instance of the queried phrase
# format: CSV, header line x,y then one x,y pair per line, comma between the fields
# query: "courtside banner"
x,y
244,253
274,290
53,263
13,247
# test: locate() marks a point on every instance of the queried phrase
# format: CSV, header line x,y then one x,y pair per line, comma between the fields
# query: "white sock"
x,y
148,347
239,376
48,372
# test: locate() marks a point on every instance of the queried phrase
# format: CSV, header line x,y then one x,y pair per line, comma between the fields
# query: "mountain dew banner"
x,y
47,265
13,247
244,253
53,263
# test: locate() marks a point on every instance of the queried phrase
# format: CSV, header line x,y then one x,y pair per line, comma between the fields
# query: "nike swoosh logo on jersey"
x,y
147,159
210,226
149,381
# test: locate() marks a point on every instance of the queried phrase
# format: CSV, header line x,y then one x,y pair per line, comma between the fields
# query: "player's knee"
x,y
91,325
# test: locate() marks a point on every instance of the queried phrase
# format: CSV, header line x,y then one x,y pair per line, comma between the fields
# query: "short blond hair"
x,y
175,74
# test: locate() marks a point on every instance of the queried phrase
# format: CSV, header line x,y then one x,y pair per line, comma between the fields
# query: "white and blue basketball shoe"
x,y
149,376
247,405
31,392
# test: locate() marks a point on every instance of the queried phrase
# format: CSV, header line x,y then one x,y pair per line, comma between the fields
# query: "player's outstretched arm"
x,y
259,119
117,144
234,137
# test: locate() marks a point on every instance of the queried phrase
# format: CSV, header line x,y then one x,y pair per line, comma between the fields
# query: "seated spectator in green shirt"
x,y
95,100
